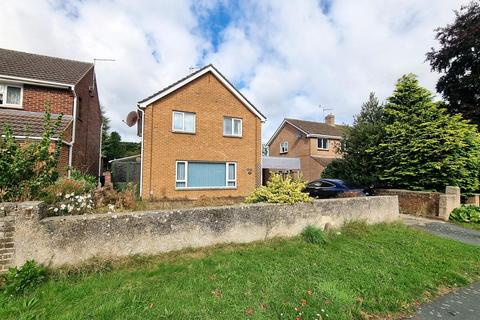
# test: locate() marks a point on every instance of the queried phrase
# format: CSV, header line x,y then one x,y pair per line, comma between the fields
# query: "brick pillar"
x,y
7,242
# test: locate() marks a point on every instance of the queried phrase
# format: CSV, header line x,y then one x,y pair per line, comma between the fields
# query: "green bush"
x,y
314,235
19,280
280,190
26,169
88,181
470,214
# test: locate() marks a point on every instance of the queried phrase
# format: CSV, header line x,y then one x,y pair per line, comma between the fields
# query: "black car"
x,y
330,188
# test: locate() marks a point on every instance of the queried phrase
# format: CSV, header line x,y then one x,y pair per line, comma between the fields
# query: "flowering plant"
x,y
69,203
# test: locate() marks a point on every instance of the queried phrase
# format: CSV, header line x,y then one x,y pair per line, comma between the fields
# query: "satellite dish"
x,y
132,118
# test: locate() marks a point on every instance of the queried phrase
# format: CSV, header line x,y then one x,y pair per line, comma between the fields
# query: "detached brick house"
x,y
316,144
29,81
200,137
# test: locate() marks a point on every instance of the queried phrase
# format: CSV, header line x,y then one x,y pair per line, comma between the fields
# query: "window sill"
x,y
321,149
204,188
284,152
232,136
183,132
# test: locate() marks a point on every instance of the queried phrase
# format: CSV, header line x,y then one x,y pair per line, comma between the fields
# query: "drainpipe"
x,y
141,150
70,151
100,154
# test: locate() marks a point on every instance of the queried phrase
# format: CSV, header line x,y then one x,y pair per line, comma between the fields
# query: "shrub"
x,y
355,228
89,182
19,280
26,169
314,235
108,197
470,214
280,190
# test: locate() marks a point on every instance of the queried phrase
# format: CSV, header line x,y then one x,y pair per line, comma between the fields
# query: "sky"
x,y
289,58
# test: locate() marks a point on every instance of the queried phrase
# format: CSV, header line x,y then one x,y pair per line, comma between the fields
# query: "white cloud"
x,y
288,56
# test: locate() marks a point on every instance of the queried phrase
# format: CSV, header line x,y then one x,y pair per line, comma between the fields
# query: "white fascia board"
x,y
224,81
36,82
324,136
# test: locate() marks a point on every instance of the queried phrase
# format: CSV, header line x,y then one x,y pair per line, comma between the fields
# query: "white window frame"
x,y
186,174
231,180
205,188
284,147
10,105
183,122
327,143
233,126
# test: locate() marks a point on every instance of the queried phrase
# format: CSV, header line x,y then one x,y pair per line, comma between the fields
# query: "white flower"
x,y
69,208
89,207
76,197
111,207
55,210
63,206
67,196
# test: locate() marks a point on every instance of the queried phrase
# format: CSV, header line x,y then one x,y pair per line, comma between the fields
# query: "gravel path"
x,y
463,304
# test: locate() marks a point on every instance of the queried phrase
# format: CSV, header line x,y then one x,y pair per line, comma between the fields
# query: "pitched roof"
x,y
320,128
29,124
311,128
180,83
39,67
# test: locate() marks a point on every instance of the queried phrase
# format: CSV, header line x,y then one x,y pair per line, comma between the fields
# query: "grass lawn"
x,y
380,270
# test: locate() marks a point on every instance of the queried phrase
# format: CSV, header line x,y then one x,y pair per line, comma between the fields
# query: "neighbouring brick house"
x,y
316,144
29,81
200,137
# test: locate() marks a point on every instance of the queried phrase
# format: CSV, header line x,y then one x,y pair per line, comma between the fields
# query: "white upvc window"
x,y
232,127
183,122
284,147
322,143
11,95
205,175
231,174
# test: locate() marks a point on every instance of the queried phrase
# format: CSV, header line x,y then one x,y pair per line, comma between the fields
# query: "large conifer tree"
x,y
424,147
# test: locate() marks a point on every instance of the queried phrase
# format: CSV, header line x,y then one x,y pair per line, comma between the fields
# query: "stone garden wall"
x,y
63,240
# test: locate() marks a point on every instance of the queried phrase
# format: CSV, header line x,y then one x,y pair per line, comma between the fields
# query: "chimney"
x,y
330,120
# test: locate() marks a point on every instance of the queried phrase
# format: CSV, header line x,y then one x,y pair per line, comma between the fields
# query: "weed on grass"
x,y
312,234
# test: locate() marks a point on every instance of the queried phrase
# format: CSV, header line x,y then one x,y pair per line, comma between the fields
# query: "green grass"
x,y
469,225
383,269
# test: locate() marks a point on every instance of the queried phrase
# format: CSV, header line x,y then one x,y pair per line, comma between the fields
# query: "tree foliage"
x,y
357,167
424,147
27,168
458,59
411,142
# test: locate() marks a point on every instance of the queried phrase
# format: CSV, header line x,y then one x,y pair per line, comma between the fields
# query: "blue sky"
x,y
287,57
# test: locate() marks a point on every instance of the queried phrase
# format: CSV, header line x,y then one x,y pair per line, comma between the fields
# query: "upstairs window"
x,y
10,95
284,147
232,127
322,143
183,122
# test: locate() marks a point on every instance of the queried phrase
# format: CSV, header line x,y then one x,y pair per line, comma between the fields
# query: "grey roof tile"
x,y
39,67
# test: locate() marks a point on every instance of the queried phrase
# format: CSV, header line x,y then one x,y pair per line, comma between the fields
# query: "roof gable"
x,y
22,65
310,129
184,81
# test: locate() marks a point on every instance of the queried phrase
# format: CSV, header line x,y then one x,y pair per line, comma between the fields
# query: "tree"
x,y
105,130
424,147
458,59
113,147
357,166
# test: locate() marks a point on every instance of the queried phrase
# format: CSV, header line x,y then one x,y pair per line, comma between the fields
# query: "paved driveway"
x,y
463,304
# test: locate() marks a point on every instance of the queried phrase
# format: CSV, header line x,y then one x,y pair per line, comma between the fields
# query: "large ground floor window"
x,y
201,174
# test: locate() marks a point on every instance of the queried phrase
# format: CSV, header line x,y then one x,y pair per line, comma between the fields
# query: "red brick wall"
x,y
60,100
87,132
